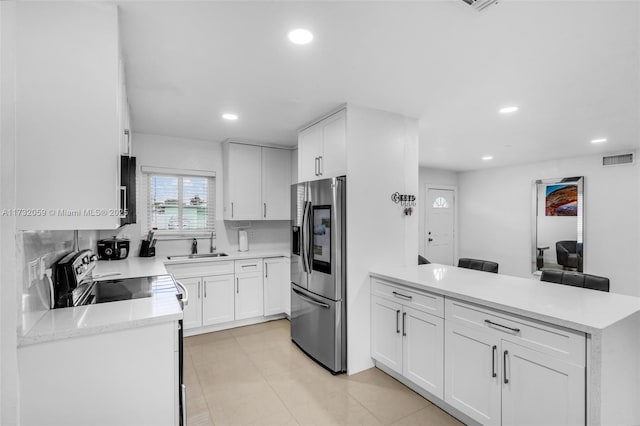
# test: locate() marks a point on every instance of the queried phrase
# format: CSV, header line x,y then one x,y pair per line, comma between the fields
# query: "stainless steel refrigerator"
x,y
318,271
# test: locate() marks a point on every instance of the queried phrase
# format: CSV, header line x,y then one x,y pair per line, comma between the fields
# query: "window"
x,y
440,203
180,203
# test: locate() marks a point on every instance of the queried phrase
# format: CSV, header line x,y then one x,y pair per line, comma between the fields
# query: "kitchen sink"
x,y
196,256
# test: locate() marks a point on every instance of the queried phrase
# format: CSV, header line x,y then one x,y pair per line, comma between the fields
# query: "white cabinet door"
x,y
472,373
386,333
243,171
532,380
423,350
193,310
249,295
309,152
274,282
276,183
67,125
334,159
217,299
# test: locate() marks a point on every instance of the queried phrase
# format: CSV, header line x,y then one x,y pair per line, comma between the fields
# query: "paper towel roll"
x,y
243,240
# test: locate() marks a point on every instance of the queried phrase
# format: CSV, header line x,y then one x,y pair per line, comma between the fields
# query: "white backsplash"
x,y
51,246
263,235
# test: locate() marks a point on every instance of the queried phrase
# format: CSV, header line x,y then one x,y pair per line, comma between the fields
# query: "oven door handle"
x,y
185,292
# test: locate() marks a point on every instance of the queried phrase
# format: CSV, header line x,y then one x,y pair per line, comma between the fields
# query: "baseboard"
x,y
427,395
232,324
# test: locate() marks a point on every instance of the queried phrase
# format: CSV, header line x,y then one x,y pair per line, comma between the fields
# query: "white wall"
x,y
430,176
382,158
181,153
495,215
8,258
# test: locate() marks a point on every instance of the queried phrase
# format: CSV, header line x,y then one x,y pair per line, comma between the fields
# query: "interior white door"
x,y
535,380
440,226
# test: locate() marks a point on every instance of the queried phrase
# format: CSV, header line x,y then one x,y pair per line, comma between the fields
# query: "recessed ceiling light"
x,y
487,158
230,116
508,110
300,36
601,140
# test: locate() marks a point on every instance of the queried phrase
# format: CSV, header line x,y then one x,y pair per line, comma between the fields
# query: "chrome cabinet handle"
x,y
494,351
254,265
232,209
266,270
398,321
265,210
237,285
205,288
504,366
404,323
317,164
404,296
515,330
198,289
320,166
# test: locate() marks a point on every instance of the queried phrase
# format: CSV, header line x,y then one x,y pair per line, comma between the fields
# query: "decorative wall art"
x,y
561,200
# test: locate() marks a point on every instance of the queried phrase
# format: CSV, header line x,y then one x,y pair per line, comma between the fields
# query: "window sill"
x,y
179,235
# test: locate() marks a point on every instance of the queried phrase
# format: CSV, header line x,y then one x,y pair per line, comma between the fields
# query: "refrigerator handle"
x,y
310,237
304,237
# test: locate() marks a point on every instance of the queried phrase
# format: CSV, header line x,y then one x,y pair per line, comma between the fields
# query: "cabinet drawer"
x,y
559,342
422,301
199,269
248,265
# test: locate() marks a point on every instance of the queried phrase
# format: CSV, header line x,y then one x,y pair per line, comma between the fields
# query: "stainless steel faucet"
x,y
212,248
194,246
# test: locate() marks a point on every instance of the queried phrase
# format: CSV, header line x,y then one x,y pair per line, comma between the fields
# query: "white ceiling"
x,y
573,68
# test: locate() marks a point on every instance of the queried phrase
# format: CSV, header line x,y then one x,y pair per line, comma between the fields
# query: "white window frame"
x,y
144,178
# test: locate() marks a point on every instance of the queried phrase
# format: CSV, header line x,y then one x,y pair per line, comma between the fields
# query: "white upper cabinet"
x,y
276,177
257,181
68,118
242,182
322,149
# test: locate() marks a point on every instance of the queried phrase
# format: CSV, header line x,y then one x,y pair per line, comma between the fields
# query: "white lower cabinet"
x,y
408,341
541,390
275,285
224,292
496,368
471,373
193,309
249,295
217,299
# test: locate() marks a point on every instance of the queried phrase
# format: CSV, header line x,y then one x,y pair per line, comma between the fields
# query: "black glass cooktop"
x,y
129,288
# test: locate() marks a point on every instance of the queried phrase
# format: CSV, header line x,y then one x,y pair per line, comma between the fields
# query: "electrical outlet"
x,y
252,234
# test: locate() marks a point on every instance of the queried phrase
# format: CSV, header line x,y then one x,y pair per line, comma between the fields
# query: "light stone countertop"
x,y
585,310
57,324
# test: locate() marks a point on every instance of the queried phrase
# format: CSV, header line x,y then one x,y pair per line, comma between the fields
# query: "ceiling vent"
x,y
480,4
618,159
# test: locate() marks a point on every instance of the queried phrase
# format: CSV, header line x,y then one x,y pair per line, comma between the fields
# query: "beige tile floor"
x,y
255,376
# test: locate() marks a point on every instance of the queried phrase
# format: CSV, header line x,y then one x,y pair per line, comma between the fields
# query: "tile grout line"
x,y
206,401
269,384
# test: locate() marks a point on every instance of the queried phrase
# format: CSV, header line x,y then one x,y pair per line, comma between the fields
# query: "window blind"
x,y
179,203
